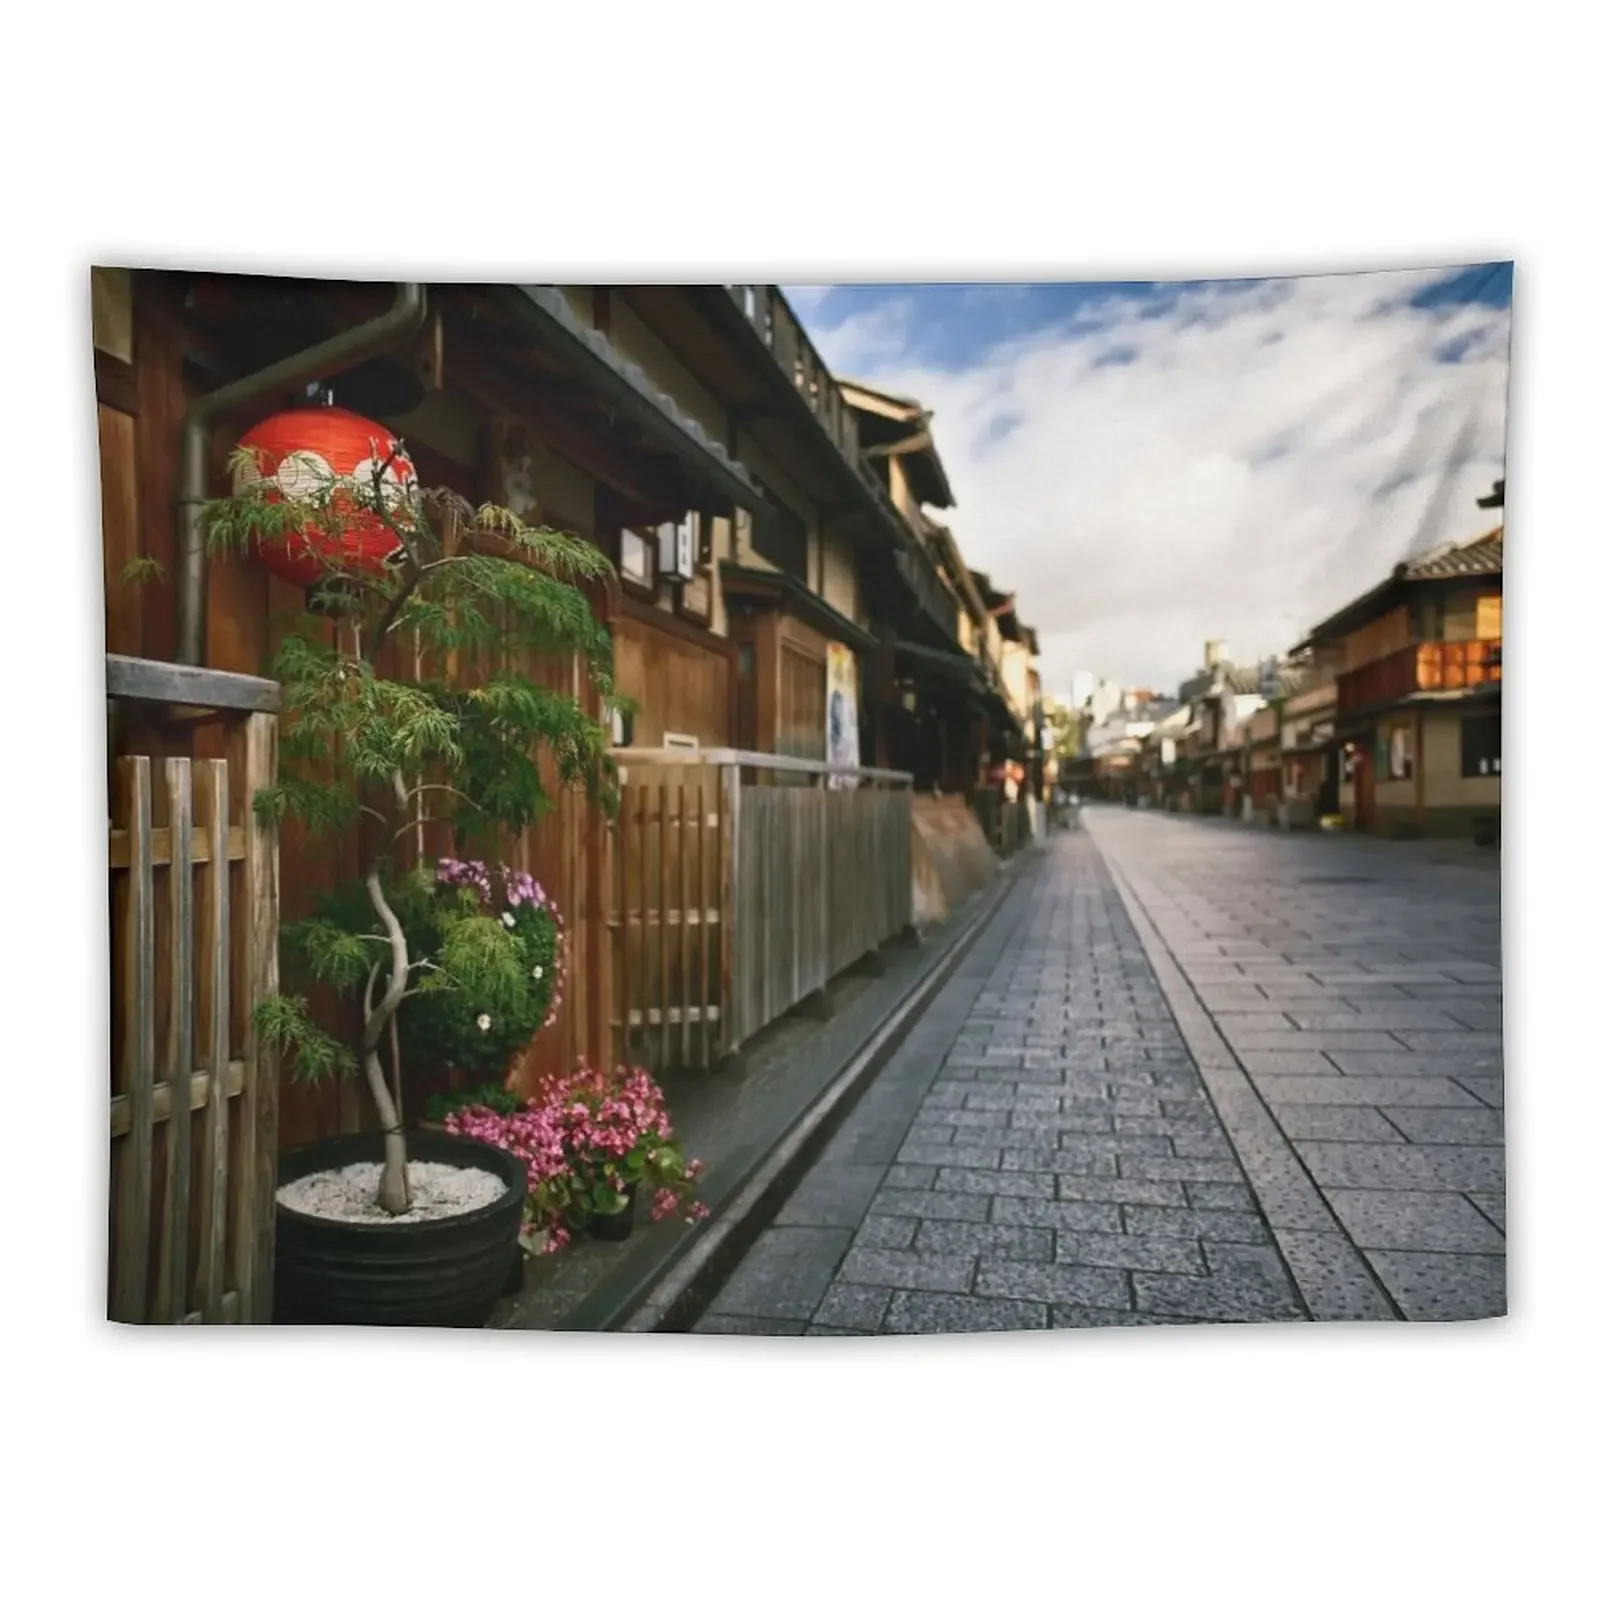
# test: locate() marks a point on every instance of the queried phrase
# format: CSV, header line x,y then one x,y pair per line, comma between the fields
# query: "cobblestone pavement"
x,y
1349,993
1231,1090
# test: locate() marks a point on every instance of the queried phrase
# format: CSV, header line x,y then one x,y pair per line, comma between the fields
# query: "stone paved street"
x,y
1191,1072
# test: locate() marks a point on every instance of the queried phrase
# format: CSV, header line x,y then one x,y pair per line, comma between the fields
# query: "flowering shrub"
x,y
491,1095
588,1140
442,1026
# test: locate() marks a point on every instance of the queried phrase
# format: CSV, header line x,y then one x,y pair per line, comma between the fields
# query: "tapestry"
x,y
493,946
844,734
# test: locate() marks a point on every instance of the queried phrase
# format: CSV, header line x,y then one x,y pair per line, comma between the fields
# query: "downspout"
x,y
337,354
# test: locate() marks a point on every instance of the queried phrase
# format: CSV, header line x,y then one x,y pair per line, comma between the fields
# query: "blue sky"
x,y
1155,464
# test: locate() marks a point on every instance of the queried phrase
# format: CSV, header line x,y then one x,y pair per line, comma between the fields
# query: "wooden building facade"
x,y
1417,663
647,419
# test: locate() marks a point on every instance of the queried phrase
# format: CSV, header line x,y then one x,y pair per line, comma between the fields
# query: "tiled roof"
x,y
1483,555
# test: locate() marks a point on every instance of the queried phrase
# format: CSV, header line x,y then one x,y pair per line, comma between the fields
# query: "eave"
x,y
547,317
952,665
782,591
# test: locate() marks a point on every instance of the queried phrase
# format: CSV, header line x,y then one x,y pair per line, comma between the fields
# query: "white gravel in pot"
x,y
350,1194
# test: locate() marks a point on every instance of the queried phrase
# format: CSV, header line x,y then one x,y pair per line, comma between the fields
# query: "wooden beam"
x,y
626,608
200,1098
116,383
909,446
166,682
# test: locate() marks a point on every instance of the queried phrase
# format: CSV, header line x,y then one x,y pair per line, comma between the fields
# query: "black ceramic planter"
x,y
446,1273
615,1226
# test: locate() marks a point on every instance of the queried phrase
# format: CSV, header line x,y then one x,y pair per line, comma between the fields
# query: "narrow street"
x,y
1191,1072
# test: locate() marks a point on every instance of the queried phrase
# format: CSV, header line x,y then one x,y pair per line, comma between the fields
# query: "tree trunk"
x,y
394,1188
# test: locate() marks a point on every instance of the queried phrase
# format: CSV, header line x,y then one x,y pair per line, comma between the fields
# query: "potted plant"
x,y
473,1050
593,1143
390,1227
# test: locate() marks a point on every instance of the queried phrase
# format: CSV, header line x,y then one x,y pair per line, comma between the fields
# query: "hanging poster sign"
x,y
844,732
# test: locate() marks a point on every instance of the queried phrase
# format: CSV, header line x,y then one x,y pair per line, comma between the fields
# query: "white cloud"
x,y
1266,454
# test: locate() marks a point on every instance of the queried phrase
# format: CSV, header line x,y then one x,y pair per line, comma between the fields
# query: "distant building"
x,y
1415,663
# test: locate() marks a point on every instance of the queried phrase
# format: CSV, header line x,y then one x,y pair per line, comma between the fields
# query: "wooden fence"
x,y
194,941
741,885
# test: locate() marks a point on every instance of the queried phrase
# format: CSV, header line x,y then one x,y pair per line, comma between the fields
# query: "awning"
x,y
547,316
784,592
952,665
1000,712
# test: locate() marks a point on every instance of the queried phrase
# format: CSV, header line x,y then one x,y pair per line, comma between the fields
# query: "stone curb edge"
x,y
673,1295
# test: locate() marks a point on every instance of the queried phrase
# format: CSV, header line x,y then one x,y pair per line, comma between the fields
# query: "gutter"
x,y
342,351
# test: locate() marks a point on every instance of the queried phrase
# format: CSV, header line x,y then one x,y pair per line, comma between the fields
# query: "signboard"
x,y
844,731
679,546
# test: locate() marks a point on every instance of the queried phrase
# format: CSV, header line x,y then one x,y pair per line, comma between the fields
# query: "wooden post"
x,y
254,1255
214,988
621,963
683,926
730,1029
664,1042
705,891
172,1272
1420,783
129,1292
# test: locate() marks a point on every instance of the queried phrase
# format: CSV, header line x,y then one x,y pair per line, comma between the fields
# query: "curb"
x,y
670,1297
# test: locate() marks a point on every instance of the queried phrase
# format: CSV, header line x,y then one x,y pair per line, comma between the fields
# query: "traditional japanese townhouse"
x,y
566,405
1221,696
1310,748
1418,694
1164,775
934,694
928,686
962,713
1263,766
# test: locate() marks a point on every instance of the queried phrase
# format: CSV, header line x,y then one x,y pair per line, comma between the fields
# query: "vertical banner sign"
x,y
844,733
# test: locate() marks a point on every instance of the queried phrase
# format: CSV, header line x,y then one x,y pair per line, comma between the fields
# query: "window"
x,y
1480,747
777,534
1397,755
1488,616
637,561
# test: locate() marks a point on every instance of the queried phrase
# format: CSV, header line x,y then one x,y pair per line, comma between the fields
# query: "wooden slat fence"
x,y
742,884
194,933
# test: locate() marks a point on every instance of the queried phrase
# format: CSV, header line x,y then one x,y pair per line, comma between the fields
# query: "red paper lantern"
x,y
298,453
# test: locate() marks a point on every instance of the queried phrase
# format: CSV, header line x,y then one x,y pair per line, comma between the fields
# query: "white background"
x,y
717,143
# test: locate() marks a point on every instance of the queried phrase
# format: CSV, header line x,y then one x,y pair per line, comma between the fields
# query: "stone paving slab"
x,y
1379,1063
1443,1288
1059,1151
1183,1081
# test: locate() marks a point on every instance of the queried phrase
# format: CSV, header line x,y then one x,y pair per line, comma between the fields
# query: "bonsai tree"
x,y
367,748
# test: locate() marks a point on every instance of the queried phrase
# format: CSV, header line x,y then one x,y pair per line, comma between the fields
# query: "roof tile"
x,y
1483,555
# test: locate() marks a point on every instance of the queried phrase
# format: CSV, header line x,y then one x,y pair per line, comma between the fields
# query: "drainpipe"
x,y
342,351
